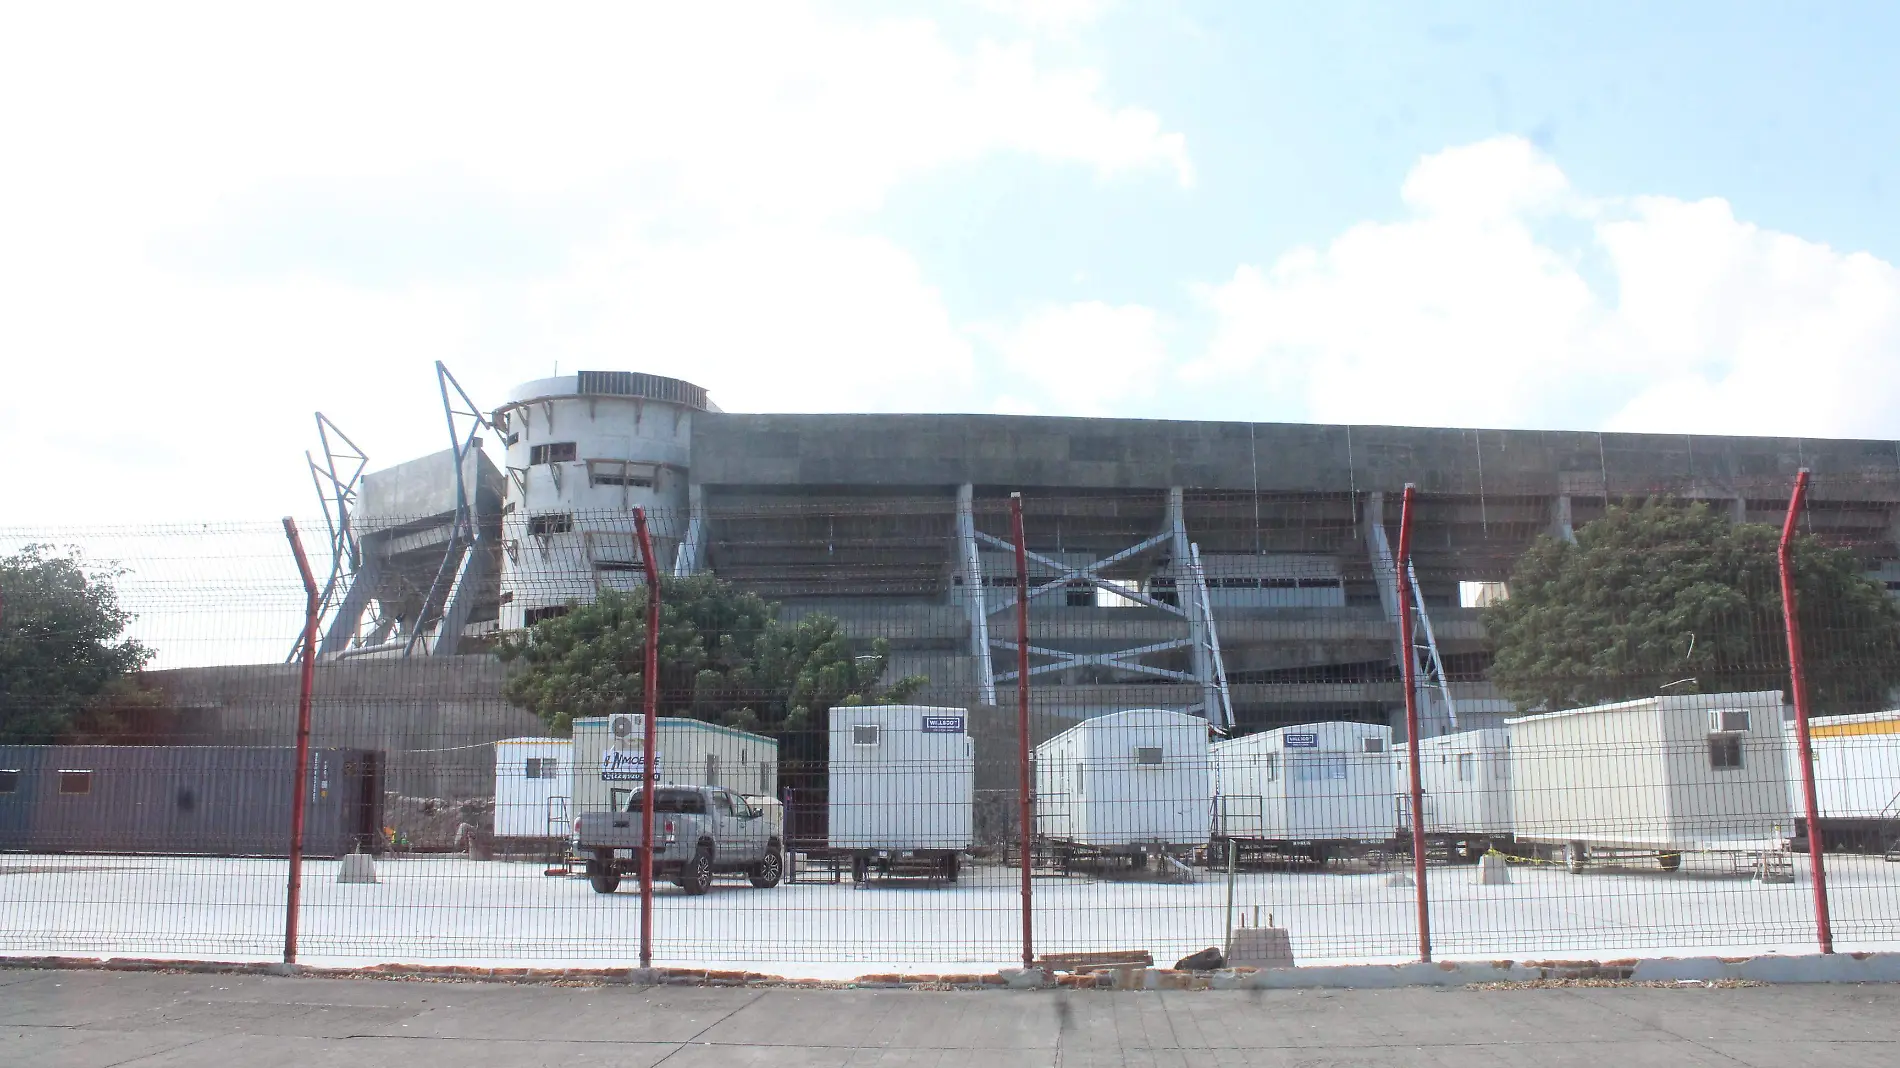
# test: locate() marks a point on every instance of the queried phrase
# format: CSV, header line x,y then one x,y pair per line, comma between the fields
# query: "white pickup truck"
x,y
699,831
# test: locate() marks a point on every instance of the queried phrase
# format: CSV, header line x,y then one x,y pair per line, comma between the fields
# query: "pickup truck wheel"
x,y
604,880
696,878
766,873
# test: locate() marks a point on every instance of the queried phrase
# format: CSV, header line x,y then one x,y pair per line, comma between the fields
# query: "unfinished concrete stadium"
x,y
1239,570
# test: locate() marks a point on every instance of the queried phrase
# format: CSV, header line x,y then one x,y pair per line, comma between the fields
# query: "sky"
x,y
215,221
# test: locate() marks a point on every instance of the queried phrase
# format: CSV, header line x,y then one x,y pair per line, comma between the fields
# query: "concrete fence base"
x,y
1771,968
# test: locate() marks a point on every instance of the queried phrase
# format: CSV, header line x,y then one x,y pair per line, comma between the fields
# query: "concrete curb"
x,y
1778,969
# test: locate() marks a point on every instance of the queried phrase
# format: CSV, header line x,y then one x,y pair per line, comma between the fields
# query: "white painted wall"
x,y
1275,786
1637,774
912,787
1091,789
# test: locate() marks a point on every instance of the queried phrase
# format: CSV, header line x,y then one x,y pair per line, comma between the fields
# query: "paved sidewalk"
x,y
77,1019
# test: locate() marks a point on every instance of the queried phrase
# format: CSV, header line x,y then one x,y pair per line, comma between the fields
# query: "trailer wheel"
x,y
1576,855
950,866
860,869
1669,861
766,874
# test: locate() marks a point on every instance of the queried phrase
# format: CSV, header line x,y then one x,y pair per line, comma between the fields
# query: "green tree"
x,y
1666,597
725,657
63,653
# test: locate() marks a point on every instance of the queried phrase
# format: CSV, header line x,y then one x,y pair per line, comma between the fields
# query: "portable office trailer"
x,y
1659,776
213,800
534,784
1467,784
607,759
1313,790
1856,780
1132,782
901,788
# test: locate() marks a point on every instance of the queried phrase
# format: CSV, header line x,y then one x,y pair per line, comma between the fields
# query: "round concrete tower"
x,y
583,451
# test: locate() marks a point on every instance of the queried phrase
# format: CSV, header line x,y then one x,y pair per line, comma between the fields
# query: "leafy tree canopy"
x,y
63,654
725,657
1664,597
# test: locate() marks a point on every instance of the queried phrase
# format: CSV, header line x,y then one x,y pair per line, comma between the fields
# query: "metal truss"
x,y
1191,590
1429,666
464,557
338,478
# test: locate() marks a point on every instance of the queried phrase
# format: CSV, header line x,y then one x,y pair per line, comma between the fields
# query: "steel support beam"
x,y
1191,590
975,591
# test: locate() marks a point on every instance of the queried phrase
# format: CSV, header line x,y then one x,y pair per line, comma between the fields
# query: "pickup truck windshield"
x,y
678,802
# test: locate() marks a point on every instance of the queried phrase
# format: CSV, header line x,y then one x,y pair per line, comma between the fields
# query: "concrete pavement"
x,y
85,1019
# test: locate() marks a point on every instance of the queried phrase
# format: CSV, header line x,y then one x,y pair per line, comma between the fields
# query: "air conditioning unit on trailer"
x,y
1728,721
625,728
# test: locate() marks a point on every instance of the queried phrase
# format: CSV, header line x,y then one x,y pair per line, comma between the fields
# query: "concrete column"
x,y
1738,510
349,610
1561,526
690,558
469,573
975,593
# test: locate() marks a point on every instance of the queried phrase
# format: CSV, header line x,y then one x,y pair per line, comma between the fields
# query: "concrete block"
x,y
1024,978
1261,947
1492,871
1399,878
356,868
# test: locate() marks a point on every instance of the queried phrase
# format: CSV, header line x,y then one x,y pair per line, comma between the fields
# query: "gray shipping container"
x,y
213,800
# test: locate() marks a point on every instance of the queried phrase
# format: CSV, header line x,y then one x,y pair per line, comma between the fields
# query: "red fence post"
x,y
1408,668
1022,723
300,780
1798,681
650,702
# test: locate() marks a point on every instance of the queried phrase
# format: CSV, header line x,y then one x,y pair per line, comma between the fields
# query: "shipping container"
x,y
1126,782
214,800
901,788
1658,776
607,759
534,786
1313,790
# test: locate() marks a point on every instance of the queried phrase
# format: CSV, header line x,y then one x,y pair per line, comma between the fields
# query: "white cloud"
x,y
1507,299
1088,358
217,219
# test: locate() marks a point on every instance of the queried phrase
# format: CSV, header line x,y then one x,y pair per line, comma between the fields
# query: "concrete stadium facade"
x,y
1239,569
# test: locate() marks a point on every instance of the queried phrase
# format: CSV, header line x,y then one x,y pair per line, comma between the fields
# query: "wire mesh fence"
x,y
1225,699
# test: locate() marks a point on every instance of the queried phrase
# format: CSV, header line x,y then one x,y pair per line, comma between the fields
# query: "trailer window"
x,y
1148,754
864,734
1725,752
1271,767
75,782
765,778
9,780
541,768
1467,767
1320,767
1373,745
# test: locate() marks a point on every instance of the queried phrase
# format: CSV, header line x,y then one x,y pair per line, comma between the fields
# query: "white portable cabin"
x,y
1126,779
1856,766
1316,782
608,759
1466,779
534,783
1679,773
902,778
